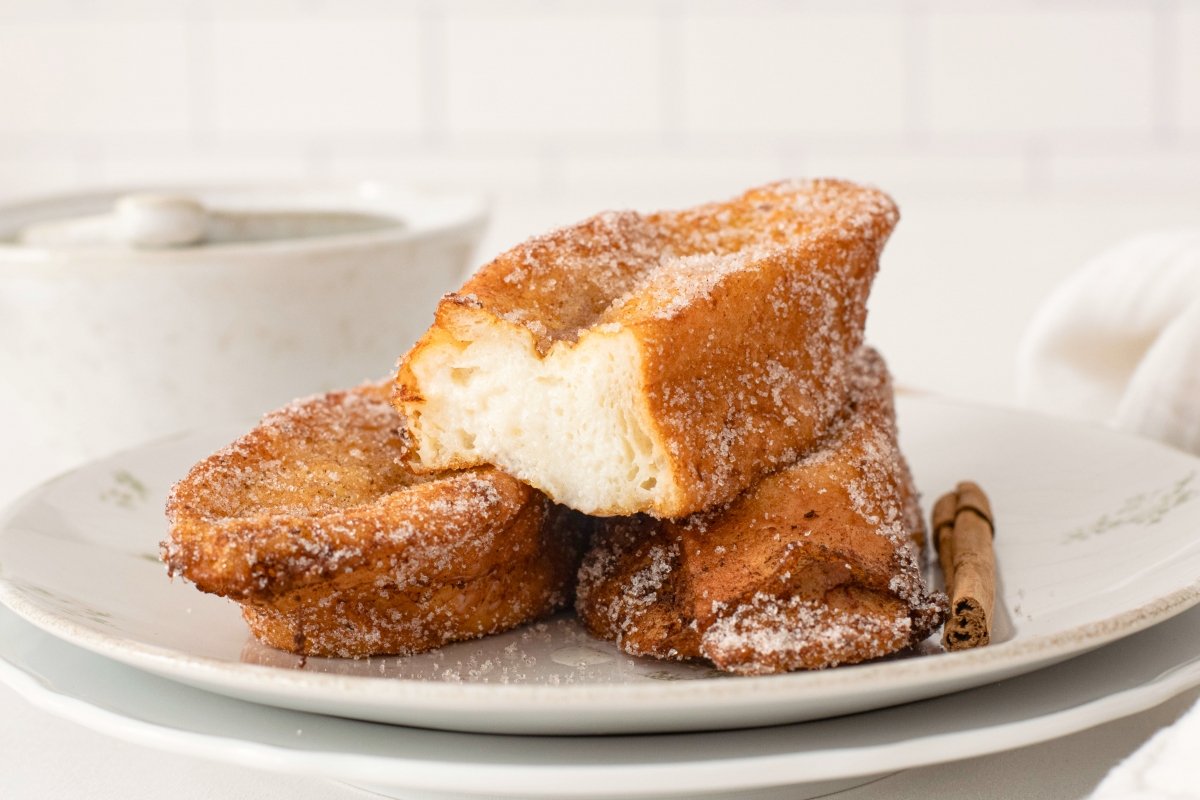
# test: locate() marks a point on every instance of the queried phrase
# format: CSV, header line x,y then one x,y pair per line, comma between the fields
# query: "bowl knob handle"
x,y
148,221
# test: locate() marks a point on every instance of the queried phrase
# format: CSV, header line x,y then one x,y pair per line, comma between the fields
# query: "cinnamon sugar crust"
x,y
678,356
814,566
312,522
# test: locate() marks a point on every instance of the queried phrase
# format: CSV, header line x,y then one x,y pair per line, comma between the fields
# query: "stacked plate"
x,y
1097,547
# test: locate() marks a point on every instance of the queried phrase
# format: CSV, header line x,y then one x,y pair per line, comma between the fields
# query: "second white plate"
x,y
810,759
1097,540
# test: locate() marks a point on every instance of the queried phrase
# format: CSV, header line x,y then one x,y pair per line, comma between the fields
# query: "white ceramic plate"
x,y
1097,540
1120,679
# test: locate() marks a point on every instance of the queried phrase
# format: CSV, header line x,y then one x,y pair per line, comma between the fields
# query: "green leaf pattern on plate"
x,y
126,490
1146,508
67,606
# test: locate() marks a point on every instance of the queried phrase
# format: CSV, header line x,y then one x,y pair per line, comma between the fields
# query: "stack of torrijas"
x,y
698,381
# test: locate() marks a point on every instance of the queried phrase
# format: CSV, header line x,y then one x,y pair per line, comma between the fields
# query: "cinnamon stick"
x,y
963,530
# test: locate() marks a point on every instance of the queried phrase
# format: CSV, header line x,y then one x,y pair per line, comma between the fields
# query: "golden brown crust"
x,y
816,565
350,616
333,547
630,268
745,313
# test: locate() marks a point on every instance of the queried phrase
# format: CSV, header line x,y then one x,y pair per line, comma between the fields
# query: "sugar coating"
x,y
795,632
816,565
333,546
694,352
625,266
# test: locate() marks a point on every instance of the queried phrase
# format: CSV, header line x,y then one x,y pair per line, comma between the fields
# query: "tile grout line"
x,y
201,74
1164,92
671,81
916,71
87,158
1037,166
434,78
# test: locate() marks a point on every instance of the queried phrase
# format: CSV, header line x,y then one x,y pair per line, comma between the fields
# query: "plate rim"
x,y
432,695
425,695
514,780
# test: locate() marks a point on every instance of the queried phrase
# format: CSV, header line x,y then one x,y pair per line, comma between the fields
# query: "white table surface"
x,y
45,757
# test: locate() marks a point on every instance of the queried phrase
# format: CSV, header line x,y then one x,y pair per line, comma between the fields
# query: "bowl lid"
x,y
190,219
152,220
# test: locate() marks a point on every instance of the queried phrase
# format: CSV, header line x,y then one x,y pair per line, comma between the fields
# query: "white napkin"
x,y
1164,768
1120,342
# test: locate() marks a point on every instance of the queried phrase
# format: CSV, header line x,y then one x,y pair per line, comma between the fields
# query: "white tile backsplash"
x,y
782,72
488,170
546,74
1186,77
21,178
93,77
360,10
934,174
316,77
175,164
1161,173
695,175
570,103
1041,71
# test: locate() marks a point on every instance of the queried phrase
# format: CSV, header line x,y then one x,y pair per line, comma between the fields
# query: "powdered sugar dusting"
x,y
814,566
678,282
768,633
670,260
313,521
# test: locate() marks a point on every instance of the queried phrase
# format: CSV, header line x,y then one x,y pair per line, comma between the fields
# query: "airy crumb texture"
x,y
333,547
653,363
814,566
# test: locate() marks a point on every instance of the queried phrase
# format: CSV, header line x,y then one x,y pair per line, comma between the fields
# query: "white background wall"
x,y
1018,137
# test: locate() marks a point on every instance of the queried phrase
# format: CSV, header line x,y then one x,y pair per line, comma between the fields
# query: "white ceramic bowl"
x,y
110,343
